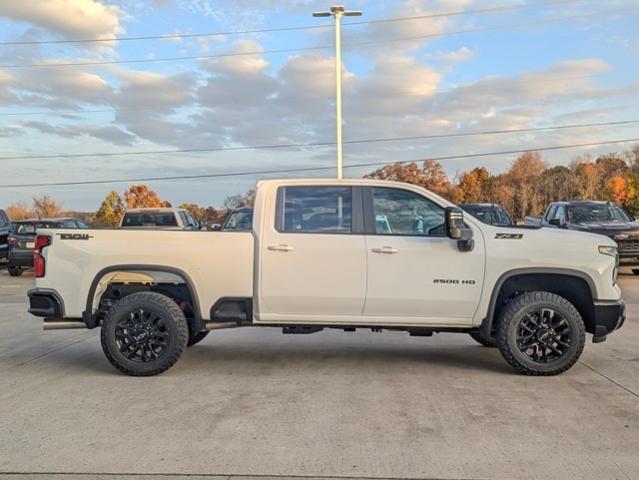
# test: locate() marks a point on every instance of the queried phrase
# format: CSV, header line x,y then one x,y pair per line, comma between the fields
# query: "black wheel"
x,y
196,337
540,333
144,334
15,271
486,342
635,271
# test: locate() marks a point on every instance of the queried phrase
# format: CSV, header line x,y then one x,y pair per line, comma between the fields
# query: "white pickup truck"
x,y
342,254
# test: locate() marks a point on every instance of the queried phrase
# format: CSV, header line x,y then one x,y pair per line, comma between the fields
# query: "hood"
x,y
610,229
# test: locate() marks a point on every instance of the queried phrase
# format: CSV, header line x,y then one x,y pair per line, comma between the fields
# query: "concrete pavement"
x,y
258,403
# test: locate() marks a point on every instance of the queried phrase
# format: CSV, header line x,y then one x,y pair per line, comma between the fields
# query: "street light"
x,y
337,12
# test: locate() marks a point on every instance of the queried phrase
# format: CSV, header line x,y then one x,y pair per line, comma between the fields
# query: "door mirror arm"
x,y
456,229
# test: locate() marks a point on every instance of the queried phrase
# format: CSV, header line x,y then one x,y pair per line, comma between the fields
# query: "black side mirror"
x,y
557,222
216,227
456,229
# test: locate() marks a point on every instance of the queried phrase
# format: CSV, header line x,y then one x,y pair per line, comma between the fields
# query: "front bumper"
x,y
609,316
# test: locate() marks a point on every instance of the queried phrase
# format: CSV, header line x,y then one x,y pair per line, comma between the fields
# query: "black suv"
x,y
5,229
489,213
21,240
604,218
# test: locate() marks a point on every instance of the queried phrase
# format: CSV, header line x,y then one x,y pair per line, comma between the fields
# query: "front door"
x,y
414,269
313,259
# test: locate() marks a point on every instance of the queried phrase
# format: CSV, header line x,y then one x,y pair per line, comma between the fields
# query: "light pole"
x,y
337,12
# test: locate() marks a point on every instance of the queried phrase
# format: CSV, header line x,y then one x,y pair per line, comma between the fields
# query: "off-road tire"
x,y
635,271
486,342
516,310
176,327
196,337
15,271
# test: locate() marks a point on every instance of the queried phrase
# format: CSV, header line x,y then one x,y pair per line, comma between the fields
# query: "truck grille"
x,y
629,245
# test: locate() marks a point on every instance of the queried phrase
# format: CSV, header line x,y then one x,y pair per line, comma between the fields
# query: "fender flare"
x,y
92,322
486,326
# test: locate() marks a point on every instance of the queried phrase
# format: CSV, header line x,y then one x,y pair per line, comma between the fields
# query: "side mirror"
x,y
216,227
456,229
557,222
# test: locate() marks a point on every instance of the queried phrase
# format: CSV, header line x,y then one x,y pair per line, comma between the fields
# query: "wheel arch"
x,y
576,286
90,319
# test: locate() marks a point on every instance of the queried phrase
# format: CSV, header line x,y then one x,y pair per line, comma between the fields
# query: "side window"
x,y
3,219
560,214
551,212
191,219
315,210
184,218
400,212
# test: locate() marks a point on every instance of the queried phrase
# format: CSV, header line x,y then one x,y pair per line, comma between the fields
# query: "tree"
x,y
472,186
110,212
140,196
431,176
238,200
19,211
45,206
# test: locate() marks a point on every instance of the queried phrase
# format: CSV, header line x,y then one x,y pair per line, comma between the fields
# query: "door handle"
x,y
280,248
385,249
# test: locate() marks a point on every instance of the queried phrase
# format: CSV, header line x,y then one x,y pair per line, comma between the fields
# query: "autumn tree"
x,y
110,212
431,176
199,213
140,196
473,186
19,211
45,206
239,200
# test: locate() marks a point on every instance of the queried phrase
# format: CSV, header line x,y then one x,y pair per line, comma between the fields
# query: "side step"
x,y
300,329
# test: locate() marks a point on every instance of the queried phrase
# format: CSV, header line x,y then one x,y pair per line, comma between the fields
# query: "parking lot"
x,y
254,402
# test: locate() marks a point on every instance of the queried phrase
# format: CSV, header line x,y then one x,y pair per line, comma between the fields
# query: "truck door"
x,y
313,256
414,269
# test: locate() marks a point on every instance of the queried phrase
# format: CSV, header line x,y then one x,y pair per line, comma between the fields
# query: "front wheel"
x,y
15,271
144,334
540,333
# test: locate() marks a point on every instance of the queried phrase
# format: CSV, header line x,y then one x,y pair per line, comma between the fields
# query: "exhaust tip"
x,y
62,324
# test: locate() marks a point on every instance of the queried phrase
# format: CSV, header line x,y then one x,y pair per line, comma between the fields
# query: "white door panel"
x,y
424,277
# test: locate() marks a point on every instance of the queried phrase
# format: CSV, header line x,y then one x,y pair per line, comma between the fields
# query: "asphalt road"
x,y
256,403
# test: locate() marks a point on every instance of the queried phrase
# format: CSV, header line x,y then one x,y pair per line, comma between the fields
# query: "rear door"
x,y
313,257
5,228
414,270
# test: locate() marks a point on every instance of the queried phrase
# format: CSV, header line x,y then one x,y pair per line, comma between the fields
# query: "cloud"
x,y
110,134
460,55
68,18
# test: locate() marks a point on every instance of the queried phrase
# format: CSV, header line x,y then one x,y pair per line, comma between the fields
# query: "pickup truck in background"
x,y
604,218
319,257
169,218
5,230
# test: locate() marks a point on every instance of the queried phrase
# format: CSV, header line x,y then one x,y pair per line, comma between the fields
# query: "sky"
x,y
542,64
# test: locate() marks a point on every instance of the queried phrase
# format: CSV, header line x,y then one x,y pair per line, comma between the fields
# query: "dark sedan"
x,y
22,240
489,213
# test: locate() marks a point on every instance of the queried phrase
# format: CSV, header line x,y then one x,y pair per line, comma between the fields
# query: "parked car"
x,y
341,254
239,220
604,218
21,240
489,213
167,218
5,229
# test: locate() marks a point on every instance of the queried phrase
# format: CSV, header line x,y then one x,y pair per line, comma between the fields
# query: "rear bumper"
x,y
45,303
21,258
609,316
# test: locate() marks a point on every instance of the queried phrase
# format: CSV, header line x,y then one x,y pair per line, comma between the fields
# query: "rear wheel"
x,y
144,334
486,342
15,271
540,333
635,271
196,337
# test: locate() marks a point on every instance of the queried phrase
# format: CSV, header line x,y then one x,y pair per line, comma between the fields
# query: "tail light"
x,y
41,242
11,240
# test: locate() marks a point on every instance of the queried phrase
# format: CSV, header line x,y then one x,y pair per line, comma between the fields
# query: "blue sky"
x,y
556,62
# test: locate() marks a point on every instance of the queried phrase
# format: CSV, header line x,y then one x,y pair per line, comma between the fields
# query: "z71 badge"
x,y
509,236
75,236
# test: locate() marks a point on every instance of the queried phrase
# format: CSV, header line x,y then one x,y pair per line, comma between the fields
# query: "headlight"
x,y
608,250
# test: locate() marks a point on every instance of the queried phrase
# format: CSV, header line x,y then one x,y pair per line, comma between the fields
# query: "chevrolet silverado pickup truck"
x,y
319,257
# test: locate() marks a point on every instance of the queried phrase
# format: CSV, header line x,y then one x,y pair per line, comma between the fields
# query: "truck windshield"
x,y
149,220
490,215
597,213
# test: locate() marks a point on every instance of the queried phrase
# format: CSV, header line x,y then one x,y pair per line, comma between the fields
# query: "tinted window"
x,y
240,220
3,219
149,220
316,210
597,213
400,212
490,215
191,222
551,212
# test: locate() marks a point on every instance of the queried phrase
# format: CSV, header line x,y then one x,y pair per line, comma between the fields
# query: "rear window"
x,y
149,220
29,228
